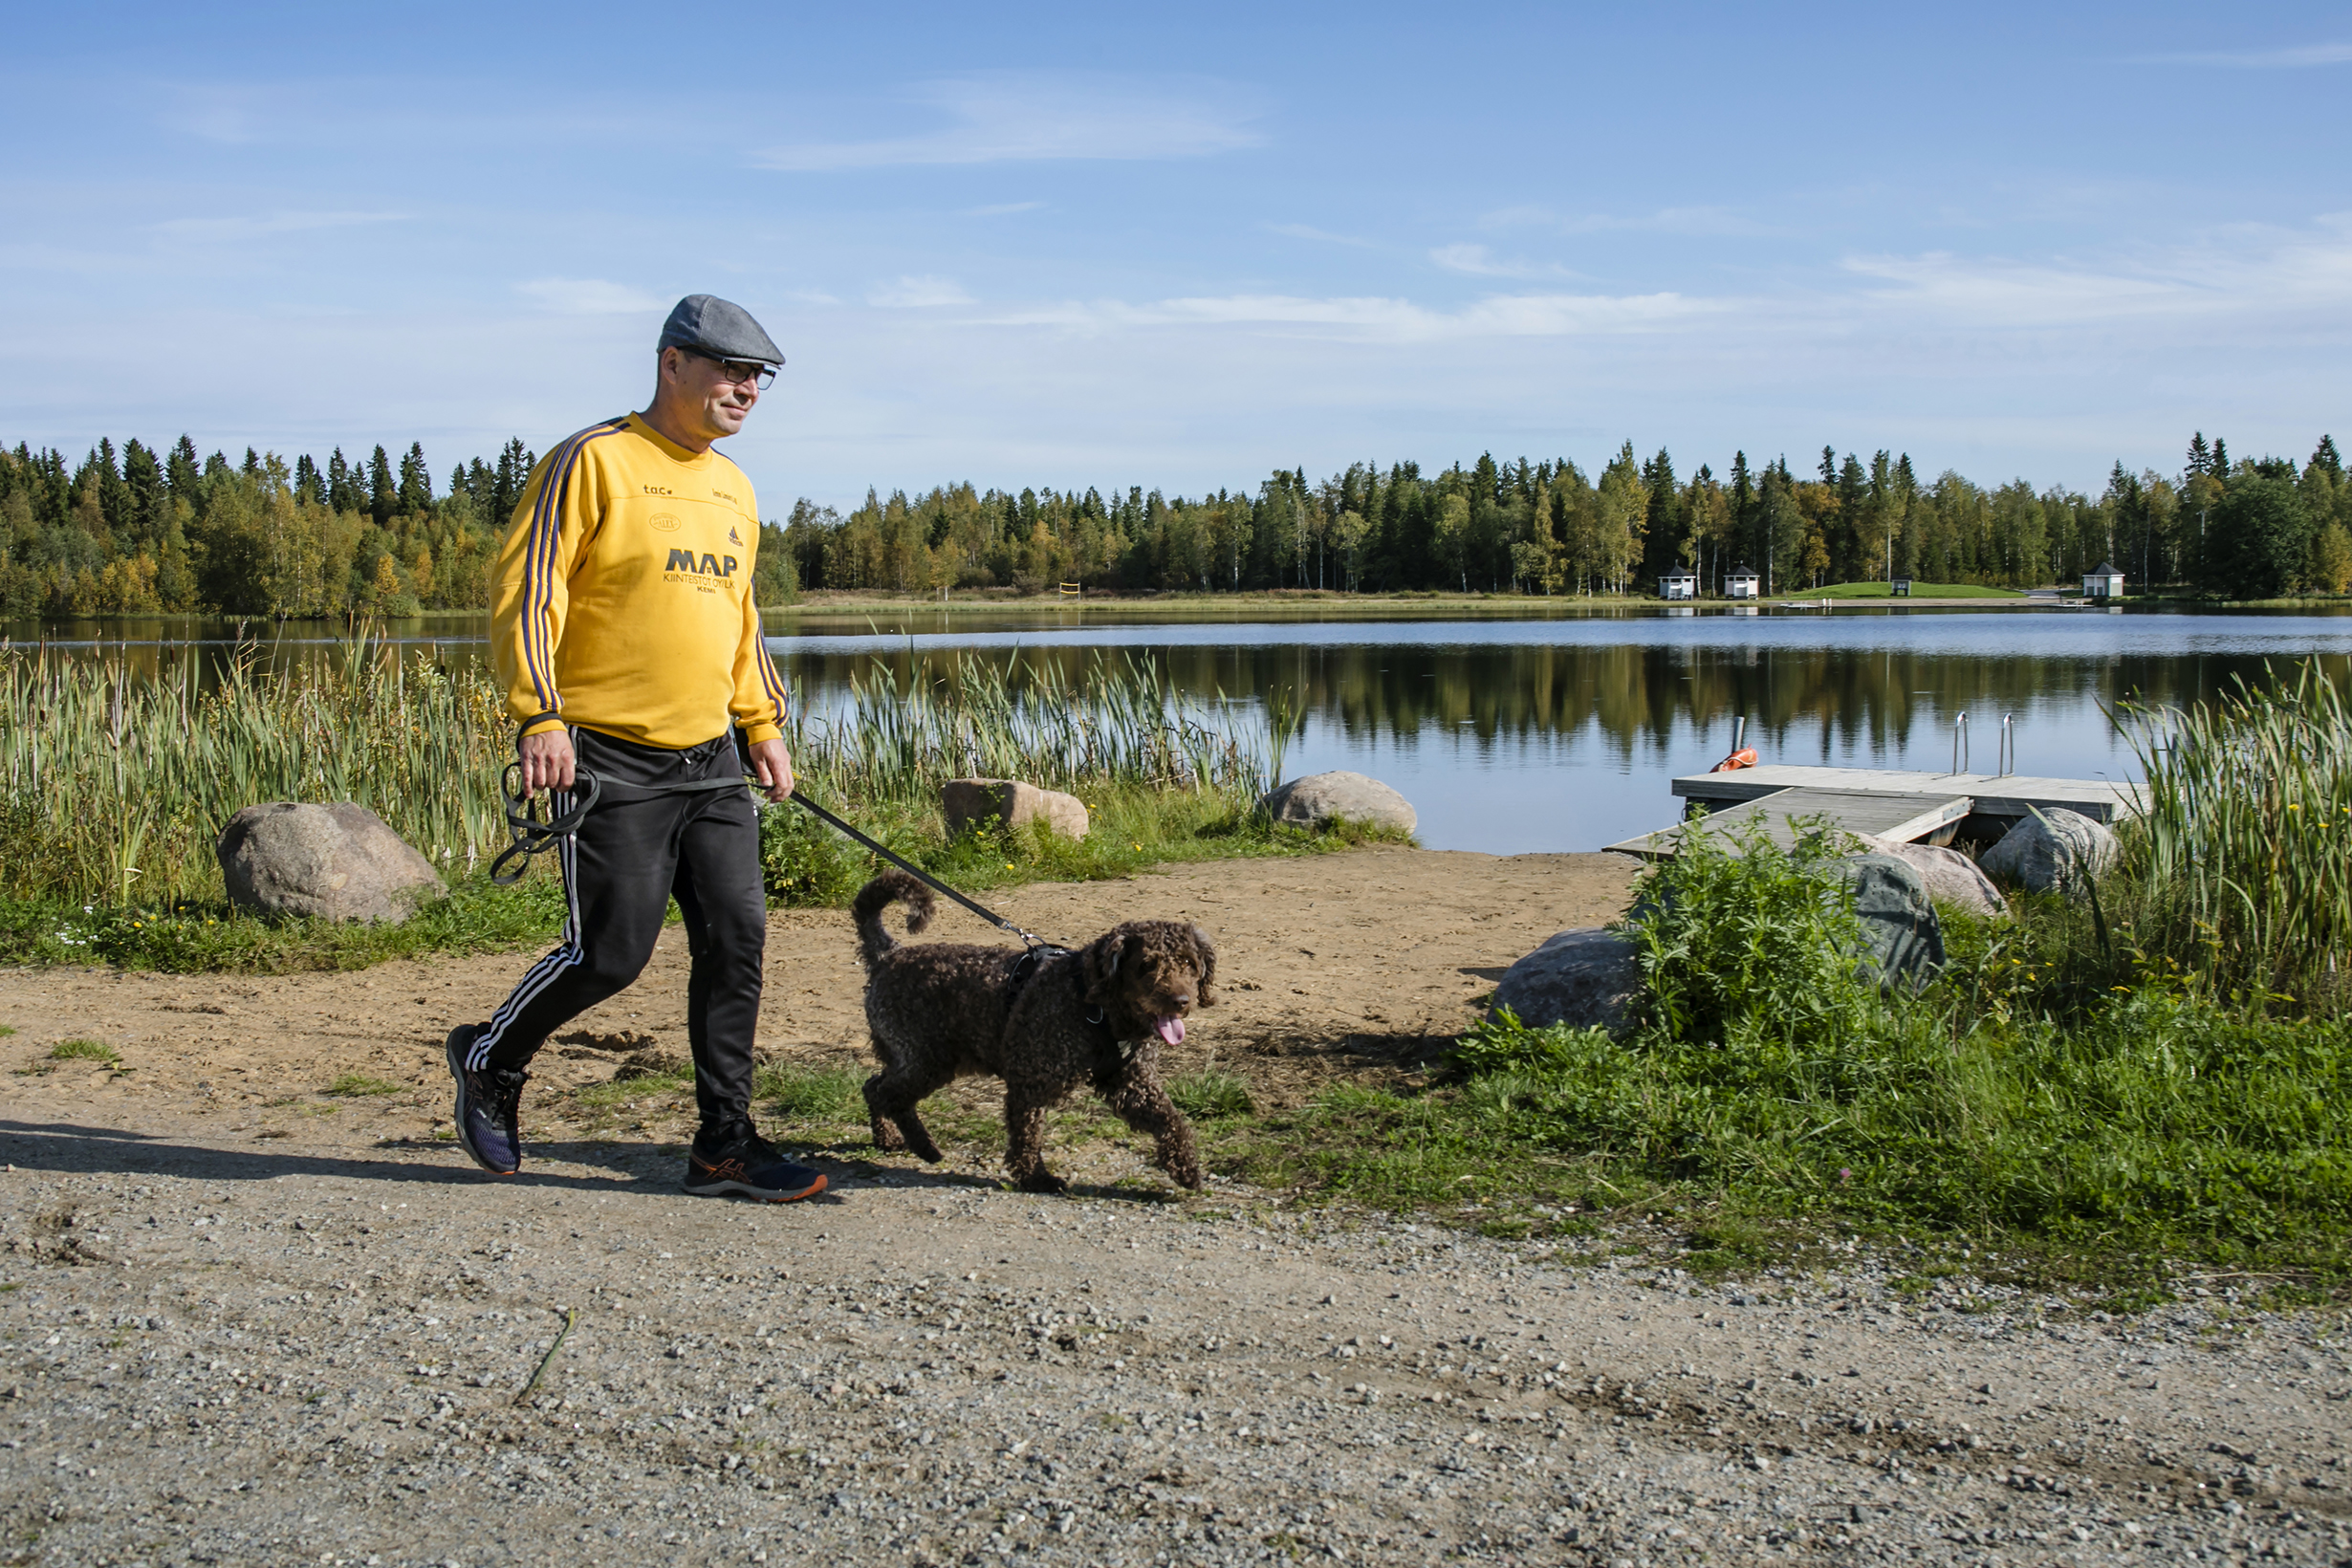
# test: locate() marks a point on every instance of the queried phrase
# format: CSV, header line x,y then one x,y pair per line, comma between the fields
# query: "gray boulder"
x,y
1582,978
334,862
1951,877
1006,802
1319,799
1903,943
2057,852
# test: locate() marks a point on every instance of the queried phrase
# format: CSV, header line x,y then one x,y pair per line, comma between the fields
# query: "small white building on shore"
x,y
2103,581
1678,586
1742,584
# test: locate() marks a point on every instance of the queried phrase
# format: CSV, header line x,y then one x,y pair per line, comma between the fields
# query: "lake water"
x,y
1513,734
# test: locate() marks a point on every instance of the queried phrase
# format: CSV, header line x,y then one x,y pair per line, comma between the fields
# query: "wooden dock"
x,y
1890,803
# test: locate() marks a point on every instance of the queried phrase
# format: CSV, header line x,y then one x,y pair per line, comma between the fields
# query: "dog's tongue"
x,y
1171,1028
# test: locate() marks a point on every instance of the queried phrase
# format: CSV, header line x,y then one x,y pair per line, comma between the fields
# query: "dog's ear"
x,y
1207,952
1101,961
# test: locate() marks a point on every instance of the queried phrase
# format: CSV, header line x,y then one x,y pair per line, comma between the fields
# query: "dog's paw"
x,y
930,1151
887,1141
1044,1181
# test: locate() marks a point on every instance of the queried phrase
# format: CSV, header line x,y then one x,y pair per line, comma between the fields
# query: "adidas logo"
x,y
733,537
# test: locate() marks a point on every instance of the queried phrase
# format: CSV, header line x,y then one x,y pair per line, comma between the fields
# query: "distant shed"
x,y
2103,581
1678,586
1742,584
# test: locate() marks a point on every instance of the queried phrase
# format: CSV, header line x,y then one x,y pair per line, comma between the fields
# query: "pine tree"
x,y
2200,455
182,472
2325,456
415,494
382,496
2221,459
308,486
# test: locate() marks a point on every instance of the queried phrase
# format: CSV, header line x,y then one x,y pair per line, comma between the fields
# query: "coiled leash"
x,y
534,835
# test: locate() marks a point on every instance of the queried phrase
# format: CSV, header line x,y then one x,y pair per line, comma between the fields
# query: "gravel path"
x,y
212,1353
243,1321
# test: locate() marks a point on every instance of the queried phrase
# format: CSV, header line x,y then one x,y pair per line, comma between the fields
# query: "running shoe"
x,y
747,1163
487,1104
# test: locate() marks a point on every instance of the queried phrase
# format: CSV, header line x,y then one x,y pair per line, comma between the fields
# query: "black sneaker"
x,y
488,1103
749,1164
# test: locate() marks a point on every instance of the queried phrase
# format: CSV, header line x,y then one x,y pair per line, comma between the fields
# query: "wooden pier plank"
x,y
1900,815
1997,794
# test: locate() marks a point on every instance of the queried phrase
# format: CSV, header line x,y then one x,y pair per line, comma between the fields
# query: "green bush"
x,y
1745,941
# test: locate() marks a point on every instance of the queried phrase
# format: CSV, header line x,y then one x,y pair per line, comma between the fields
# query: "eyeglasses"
x,y
740,371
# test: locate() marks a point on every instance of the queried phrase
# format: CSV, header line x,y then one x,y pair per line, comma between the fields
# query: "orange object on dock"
x,y
1744,758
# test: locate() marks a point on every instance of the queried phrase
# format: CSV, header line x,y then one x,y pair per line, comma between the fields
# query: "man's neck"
x,y
666,424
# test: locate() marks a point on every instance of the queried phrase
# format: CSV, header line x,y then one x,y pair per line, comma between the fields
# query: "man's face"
x,y
709,392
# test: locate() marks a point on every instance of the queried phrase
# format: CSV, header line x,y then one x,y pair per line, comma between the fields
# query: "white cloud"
x,y
1003,117
588,296
2299,56
2248,273
1374,318
1479,262
917,293
1694,222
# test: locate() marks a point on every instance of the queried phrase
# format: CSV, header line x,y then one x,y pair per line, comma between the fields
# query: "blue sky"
x,y
1183,245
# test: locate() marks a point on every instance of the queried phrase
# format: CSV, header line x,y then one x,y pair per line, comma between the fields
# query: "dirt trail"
x,y
244,1323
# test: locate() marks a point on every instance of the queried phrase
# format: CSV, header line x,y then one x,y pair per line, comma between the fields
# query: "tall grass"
x,y
2240,868
898,739
114,786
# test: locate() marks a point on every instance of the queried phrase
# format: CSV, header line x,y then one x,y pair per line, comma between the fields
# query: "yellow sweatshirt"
x,y
623,599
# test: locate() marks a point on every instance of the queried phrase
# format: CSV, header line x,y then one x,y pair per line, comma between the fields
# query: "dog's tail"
x,y
890,887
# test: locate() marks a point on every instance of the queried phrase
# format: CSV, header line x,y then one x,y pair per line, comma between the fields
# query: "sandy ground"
x,y
241,1322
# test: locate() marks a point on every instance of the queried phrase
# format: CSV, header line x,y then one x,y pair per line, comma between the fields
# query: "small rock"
x,y
1903,941
1580,978
1951,877
1319,799
335,862
989,802
2054,852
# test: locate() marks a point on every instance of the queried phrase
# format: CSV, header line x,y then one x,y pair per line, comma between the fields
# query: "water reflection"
x,y
1562,732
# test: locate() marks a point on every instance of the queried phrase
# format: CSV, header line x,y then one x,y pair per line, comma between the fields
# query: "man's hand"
x,y
547,761
772,765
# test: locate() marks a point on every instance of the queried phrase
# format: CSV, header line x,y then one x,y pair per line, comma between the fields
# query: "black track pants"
x,y
619,871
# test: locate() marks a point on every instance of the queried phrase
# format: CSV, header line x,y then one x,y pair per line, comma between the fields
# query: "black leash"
x,y
534,835
920,875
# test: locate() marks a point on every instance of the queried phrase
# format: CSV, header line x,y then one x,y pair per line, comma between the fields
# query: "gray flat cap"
x,y
720,327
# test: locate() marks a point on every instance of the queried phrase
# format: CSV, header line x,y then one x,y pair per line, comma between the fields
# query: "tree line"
x,y
146,528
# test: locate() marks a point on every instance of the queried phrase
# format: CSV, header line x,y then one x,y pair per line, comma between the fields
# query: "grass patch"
x,y
2029,1098
192,938
354,1086
84,1051
1131,828
824,1096
623,1092
1919,590
1210,1094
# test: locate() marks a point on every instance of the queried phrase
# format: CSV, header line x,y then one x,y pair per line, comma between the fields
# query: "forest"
x,y
142,529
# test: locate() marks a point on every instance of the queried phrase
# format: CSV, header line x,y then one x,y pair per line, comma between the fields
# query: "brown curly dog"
x,y
939,1011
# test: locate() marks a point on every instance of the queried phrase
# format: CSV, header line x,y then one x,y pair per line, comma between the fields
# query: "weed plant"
x,y
2240,872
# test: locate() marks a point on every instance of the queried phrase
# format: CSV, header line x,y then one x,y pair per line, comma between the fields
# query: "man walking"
x,y
623,628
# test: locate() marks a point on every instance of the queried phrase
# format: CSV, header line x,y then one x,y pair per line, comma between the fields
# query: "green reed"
x,y
898,740
115,785
2242,860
